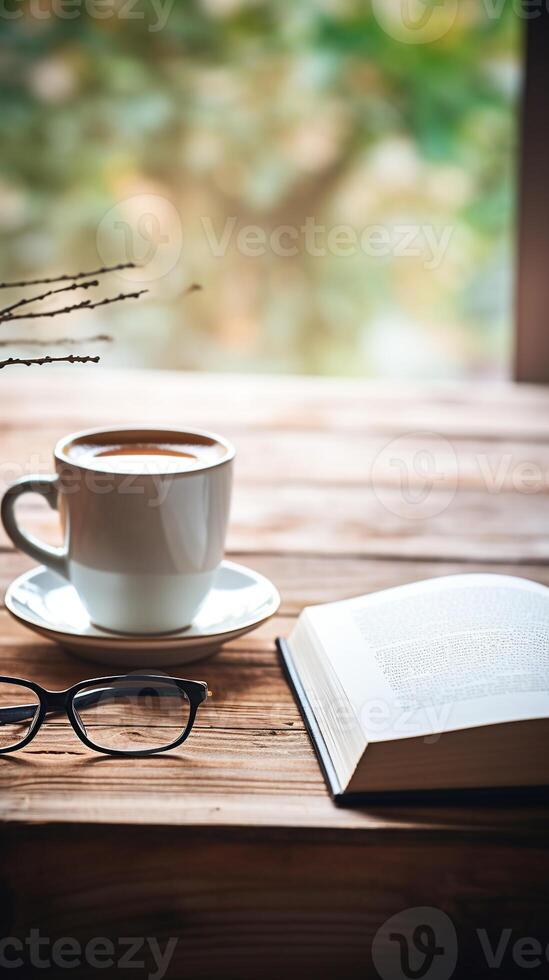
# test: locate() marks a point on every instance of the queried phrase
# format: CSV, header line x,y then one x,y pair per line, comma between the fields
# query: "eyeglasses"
x,y
135,714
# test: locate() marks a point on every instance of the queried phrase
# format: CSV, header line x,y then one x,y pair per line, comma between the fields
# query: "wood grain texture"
x,y
303,580
240,910
294,910
365,522
342,458
231,843
230,402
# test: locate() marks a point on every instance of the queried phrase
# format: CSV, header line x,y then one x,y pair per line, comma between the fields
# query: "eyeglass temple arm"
x,y
23,712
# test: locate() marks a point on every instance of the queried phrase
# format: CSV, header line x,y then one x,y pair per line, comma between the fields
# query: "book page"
x,y
450,653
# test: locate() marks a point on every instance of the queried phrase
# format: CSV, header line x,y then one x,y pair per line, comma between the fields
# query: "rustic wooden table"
x,y
232,843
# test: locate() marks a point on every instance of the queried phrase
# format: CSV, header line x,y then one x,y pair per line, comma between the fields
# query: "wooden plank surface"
x,y
243,910
231,844
318,506
248,763
493,411
358,522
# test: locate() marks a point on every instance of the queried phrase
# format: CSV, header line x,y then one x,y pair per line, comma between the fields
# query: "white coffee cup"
x,y
141,546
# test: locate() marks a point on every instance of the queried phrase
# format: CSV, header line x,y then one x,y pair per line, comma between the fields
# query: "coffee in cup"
x,y
144,515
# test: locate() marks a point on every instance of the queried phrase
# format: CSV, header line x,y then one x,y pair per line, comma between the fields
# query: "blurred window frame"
x,y
531,360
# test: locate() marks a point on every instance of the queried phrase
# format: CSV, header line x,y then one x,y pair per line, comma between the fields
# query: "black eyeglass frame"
x,y
196,692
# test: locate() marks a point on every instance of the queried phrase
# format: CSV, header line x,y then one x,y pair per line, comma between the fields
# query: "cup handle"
x,y
47,486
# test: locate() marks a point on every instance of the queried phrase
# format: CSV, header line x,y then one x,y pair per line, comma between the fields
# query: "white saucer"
x,y
240,600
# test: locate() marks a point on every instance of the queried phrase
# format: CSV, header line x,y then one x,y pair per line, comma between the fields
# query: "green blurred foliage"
x,y
267,112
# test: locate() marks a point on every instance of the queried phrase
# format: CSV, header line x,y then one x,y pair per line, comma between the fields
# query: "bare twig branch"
x,y
86,304
7,315
51,292
56,341
69,278
71,358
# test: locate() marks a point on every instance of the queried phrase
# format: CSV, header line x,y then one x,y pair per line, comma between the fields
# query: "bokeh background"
x,y
161,132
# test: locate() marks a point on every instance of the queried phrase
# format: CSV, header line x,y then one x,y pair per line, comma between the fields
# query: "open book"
x,y
437,685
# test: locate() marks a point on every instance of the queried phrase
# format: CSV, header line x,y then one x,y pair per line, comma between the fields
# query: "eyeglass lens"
x,y
132,715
